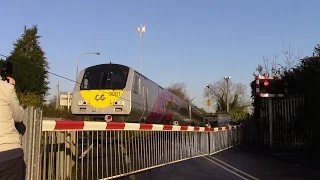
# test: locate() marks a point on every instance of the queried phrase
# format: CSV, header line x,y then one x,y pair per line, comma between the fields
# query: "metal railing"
x,y
280,123
99,150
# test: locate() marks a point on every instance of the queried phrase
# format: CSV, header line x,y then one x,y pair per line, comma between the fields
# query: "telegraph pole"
x,y
58,96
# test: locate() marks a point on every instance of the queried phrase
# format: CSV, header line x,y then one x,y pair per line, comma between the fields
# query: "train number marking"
x,y
116,94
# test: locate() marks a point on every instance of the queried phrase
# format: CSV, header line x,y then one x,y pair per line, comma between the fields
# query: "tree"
x,y
1,61
217,92
179,89
50,110
30,68
317,50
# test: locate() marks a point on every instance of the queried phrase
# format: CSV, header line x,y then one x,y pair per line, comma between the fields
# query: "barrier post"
x,y
30,132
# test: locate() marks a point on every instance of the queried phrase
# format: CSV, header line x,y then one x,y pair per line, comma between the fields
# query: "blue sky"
x,y
197,42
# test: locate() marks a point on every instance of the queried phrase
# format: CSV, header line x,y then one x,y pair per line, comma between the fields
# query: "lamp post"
x,y
227,80
141,30
97,53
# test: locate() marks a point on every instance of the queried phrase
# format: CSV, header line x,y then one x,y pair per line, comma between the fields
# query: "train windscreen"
x,y
108,76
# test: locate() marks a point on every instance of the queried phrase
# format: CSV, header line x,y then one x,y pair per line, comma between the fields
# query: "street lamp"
x,y
97,53
141,30
227,80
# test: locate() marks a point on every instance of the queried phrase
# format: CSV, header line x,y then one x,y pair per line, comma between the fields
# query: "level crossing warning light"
x,y
270,86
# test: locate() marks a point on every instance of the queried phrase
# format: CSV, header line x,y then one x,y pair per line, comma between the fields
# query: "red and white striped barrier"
x,y
65,125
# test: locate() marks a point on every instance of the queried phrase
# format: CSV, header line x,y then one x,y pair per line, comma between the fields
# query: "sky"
x,y
196,42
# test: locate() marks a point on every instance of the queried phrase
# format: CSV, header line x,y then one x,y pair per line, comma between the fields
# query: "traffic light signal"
x,y
270,86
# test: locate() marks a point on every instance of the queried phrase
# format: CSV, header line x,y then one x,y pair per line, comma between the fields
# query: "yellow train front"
x,y
102,93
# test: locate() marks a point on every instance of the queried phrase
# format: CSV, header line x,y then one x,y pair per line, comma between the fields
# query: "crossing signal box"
x,y
270,86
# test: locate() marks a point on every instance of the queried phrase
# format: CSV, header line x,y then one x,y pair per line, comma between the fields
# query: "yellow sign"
x,y
208,103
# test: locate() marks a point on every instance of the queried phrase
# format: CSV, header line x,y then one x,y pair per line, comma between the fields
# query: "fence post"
x,y
37,155
31,140
270,111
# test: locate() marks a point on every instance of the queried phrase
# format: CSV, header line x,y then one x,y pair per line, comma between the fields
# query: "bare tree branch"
x,y
290,58
274,69
317,50
266,63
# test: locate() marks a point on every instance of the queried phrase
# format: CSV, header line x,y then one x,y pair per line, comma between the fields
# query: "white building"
x,y
65,100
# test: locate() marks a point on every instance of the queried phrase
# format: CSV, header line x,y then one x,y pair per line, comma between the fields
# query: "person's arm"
x,y
17,110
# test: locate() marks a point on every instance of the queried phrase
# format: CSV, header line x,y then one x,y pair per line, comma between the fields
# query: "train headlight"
x,y
118,103
82,103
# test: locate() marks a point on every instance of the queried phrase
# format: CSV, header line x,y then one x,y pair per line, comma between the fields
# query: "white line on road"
x,y
224,163
213,160
205,157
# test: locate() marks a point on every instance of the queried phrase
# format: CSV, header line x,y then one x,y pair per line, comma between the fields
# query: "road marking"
x,y
213,160
224,163
225,168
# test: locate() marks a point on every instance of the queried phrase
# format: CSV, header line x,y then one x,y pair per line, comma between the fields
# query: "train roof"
x,y
106,64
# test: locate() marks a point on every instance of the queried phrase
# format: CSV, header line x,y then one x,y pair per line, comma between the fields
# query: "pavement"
x,y
233,163
297,157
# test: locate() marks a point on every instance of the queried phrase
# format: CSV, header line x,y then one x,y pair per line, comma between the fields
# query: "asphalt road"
x,y
229,164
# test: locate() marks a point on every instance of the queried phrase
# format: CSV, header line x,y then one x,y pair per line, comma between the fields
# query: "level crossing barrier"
x,y
64,149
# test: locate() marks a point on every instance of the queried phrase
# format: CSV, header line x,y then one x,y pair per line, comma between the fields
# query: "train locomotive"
x,y
118,93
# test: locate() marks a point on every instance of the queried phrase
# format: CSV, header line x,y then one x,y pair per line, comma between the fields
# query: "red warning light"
x,y
266,83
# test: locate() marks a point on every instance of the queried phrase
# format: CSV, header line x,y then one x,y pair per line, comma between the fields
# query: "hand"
x,y
11,80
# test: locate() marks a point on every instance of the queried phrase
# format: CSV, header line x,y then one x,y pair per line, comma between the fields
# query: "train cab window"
x,y
136,86
85,84
113,79
108,76
85,81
